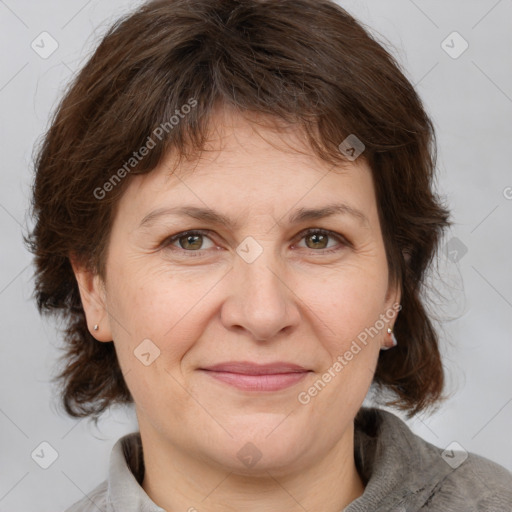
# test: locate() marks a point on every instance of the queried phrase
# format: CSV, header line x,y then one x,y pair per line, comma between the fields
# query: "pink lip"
x,y
255,377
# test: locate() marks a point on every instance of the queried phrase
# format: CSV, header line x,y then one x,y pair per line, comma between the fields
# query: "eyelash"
x,y
167,243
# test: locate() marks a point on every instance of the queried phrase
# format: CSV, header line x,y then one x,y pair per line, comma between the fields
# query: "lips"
x,y
248,368
249,376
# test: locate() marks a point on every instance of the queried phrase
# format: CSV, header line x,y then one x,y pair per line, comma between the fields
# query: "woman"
x,y
235,213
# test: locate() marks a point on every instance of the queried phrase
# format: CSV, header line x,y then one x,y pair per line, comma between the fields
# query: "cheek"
x,y
172,310
155,301
348,329
156,323
346,301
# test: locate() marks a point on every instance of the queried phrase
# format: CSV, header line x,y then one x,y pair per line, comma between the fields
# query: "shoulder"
x,y
421,475
479,482
95,501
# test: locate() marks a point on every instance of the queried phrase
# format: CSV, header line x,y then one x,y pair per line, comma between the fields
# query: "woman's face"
x,y
261,291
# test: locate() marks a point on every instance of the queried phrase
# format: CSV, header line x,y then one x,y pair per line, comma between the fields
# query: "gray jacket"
x,y
401,471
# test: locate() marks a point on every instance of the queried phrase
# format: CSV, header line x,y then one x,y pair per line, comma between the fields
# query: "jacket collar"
x,y
126,473
400,469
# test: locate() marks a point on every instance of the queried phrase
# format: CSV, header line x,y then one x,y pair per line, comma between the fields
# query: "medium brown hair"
x,y
304,62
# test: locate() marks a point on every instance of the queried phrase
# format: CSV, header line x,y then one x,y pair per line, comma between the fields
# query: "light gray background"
x,y
470,101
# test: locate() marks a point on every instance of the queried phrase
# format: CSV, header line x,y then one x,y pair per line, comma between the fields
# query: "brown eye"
x,y
190,241
318,240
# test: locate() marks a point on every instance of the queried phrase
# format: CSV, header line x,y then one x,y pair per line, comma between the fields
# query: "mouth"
x,y
249,376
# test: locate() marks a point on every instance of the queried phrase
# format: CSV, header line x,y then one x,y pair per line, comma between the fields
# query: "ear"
x,y
93,295
392,308
393,297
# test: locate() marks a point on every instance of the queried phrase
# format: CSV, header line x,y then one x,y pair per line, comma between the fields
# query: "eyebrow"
x,y
214,217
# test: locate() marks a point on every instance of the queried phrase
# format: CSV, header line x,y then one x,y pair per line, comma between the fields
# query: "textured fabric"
x,y
401,472
404,473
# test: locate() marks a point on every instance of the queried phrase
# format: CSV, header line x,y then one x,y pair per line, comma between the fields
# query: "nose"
x,y
261,300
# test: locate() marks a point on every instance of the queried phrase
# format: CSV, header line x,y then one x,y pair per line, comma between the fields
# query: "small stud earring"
x,y
96,327
393,338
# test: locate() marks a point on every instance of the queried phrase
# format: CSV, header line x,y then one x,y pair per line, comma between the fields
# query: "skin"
x,y
294,303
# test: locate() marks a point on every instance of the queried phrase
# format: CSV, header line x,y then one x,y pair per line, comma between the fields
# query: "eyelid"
x,y
333,234
168,241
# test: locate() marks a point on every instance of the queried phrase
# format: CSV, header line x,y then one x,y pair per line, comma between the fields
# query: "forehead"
x,y
233,136
250,162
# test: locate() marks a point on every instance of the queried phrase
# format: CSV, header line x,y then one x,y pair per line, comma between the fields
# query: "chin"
x,y
262,444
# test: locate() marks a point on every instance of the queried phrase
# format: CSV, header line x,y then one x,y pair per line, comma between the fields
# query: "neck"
x,y
176,481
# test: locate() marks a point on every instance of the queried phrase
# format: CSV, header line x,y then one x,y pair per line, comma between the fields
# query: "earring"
x,y
96,327
393,338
